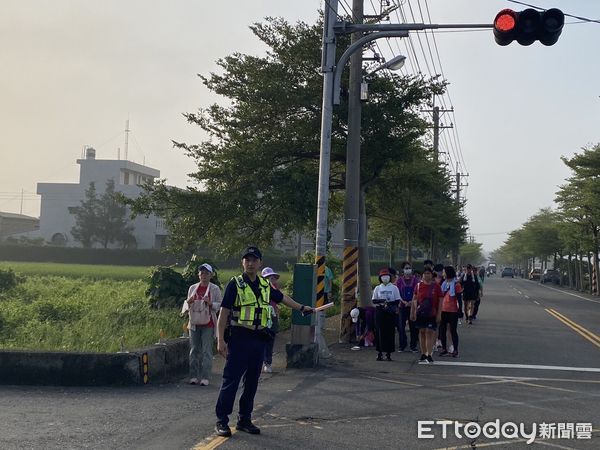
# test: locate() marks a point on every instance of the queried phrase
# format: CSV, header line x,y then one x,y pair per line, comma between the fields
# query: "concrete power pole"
x,y
351,203
456,256
436,158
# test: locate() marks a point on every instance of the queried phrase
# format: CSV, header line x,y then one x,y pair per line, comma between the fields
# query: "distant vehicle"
x,y
550,276
535,274
507,272
491,268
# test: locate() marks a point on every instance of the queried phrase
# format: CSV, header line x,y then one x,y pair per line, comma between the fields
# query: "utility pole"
x,y
456,254
351,202
436,158
327,68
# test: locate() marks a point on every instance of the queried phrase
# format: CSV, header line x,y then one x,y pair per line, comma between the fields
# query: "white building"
x,y
55,220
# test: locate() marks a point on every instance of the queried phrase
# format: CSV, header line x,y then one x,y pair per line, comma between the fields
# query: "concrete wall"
x,y
164,363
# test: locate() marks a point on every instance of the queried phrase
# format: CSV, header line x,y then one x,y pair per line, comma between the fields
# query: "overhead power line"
x,y
584,19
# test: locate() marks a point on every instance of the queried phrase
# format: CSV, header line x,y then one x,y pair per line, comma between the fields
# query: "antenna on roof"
x,y
127,130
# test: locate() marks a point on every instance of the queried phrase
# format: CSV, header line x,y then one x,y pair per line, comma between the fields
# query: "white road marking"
x,y
506,377
571,294
516,366
527,296
520,293
535,302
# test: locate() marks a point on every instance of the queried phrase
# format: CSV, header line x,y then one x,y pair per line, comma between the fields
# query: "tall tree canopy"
x,y
257,171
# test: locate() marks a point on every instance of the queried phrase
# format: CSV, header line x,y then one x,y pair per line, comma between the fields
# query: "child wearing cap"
x,y
273,278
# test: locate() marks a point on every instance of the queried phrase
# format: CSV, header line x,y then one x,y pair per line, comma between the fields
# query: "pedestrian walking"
x,y
471,291
386,298
481,279
406,286
451,289
201,305
243,328
426,312
273,278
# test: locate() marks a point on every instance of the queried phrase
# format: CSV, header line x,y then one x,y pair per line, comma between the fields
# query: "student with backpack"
x,y
426,312
202,303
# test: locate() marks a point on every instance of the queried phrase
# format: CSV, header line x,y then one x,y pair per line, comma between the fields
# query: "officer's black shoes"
x,y
247,427
222,429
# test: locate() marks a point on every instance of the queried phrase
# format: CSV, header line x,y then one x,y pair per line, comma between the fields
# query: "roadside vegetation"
x,y
71,307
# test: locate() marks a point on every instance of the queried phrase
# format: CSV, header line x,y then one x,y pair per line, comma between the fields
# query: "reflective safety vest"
x,y
249,311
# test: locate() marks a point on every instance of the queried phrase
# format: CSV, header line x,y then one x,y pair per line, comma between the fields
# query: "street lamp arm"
x,y
348,27
339,68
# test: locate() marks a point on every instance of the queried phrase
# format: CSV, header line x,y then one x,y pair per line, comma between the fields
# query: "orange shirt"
x,y
450,303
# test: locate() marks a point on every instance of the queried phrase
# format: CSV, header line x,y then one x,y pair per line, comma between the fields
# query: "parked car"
x,y
550,276
535,274
507,272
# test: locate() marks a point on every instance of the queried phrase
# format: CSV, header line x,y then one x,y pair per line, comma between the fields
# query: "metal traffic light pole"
x,y
332,74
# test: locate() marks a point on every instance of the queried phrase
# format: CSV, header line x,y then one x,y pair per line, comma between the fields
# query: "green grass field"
x,y
76,307
101,272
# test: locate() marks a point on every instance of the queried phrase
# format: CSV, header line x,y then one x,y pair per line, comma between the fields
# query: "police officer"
x,y
242,332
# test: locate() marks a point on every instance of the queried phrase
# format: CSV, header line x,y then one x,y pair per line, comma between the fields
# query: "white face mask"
x,y
385,279
407,271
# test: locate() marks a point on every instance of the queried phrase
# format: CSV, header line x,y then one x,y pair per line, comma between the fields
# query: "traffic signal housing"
x,y
528,26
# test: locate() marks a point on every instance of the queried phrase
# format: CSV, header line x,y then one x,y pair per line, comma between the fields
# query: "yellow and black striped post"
x,y
320,262
594,279
349,282
145,371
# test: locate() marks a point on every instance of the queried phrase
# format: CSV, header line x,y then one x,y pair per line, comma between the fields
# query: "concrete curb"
x,y
154,364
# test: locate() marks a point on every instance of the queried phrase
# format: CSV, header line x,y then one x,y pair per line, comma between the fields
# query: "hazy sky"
x,y
73,71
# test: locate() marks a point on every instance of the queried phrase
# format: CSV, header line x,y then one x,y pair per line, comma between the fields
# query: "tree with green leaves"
x,y
257,172
579,198
411,200
86,223
471,253
102,220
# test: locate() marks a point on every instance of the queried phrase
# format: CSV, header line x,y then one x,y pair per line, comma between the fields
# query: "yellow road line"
x,y
213,442
575,327
585,330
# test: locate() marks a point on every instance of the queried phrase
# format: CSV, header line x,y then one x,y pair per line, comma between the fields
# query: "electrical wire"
x,y
583,19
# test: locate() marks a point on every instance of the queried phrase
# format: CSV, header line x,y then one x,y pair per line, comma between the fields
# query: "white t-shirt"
x,y
388,292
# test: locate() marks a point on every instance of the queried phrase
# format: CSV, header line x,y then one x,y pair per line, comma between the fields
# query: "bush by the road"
x,y
67,314
8,280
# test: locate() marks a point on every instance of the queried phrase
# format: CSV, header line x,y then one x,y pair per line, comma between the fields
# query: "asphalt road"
x,y
532,356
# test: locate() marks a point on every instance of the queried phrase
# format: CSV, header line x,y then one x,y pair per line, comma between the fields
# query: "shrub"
x,y
9,280
166,288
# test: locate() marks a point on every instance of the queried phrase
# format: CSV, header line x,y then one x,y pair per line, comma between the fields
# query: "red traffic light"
x,y
505,21
528,26
505,24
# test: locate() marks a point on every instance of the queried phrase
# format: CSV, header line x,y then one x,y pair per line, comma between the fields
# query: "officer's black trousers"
x,y
245,358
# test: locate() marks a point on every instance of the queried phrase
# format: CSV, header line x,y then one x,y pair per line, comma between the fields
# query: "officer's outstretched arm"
x,y
289,301
222,323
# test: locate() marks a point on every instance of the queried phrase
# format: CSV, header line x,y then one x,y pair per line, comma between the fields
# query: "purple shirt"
x,y
407,287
